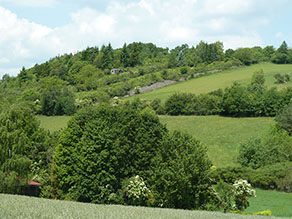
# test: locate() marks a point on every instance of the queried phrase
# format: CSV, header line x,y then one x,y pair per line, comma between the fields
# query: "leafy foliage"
x,y
103,147
180,175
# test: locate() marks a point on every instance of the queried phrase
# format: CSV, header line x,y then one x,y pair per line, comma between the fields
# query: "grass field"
x,y
221,135
222,80
53,123
278,202
13,206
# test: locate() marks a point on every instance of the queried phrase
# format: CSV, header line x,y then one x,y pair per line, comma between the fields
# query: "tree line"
x,y
236,101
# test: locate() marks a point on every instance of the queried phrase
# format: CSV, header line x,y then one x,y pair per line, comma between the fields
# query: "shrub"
x,y
179,104
284,119
280,79
242,191
285,184
274,148
263,213
136,192
224,195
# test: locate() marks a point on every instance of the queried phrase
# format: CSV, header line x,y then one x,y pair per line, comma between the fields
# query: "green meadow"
x,y
222,80
221,135
15,206
53,123
279,203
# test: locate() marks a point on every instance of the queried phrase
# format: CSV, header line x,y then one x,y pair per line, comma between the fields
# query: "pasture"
x,y
222,80
221,135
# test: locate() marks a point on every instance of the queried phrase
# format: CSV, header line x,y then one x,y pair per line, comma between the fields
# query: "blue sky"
x,y
33,31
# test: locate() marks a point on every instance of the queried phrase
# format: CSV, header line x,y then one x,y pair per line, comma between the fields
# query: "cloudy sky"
x,y
33,31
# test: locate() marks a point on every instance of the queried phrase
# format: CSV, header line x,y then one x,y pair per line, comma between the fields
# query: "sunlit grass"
x,y
53,123
222,80
221,135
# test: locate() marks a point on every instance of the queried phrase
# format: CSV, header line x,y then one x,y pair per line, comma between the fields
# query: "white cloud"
x,y
279,35
165,23
236,41
31,3
227,6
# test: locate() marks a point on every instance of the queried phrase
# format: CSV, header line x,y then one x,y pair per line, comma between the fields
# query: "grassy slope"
x,y
222,80
12,206
221,135
279,203
53,123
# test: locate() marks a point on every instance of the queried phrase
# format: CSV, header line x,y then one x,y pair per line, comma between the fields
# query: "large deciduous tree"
x,y
102,147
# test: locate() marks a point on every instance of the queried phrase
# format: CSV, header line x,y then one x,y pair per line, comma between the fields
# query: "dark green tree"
x,y
236,101
284,119
125,56
22,76
181,173
134,53
22,143
102,147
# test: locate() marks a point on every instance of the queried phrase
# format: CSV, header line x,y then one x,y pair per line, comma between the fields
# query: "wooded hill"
x,y
94,75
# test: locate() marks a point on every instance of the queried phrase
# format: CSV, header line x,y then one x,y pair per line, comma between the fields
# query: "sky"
x,y
33,31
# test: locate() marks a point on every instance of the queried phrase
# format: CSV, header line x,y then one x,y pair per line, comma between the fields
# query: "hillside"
x,y
12,206
221,135
222,80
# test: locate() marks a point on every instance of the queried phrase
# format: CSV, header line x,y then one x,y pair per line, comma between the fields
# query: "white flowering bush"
x,y
136,191
242,191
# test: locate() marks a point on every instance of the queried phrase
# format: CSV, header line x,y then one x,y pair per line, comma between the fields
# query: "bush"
x,y
136,192
242,191
274,148
285,184
284,119
179,104
280,79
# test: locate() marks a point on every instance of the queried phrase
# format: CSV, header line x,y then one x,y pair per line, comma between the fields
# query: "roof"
x,y
33,183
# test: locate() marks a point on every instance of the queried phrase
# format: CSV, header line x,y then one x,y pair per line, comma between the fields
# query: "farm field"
x,y
53,123
13,206
222,80
221,135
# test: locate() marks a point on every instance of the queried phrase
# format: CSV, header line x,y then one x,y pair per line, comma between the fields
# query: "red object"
x,y
33,183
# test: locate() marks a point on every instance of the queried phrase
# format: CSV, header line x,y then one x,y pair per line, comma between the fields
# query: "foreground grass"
x,y
278,202
221,135
13,206
53,123
222,80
